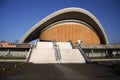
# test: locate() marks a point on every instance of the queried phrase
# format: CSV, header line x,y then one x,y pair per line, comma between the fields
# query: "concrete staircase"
x,y
71,56
45,53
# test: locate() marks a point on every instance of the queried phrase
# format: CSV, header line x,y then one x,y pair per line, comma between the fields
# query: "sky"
x,y
18,16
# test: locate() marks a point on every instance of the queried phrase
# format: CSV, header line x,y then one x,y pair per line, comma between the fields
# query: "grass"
x,y
7,67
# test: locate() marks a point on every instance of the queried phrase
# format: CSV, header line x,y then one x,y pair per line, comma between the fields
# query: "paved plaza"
x,y
74,71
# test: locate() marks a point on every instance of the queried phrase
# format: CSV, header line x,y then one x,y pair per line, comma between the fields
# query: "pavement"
x,y
62,72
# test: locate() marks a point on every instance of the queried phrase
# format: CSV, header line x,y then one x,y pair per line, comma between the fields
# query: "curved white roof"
x,y
64,14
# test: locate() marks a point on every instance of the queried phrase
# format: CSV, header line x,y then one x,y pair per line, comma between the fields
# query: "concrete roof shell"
x,y
64,14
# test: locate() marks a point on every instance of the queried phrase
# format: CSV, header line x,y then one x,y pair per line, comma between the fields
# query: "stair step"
x,y
44,53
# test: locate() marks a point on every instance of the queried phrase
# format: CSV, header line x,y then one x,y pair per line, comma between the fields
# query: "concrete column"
x,y
102,54
106,53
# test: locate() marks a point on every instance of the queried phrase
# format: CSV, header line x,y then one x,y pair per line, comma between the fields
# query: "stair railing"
x,y
57,52
29,53
82,52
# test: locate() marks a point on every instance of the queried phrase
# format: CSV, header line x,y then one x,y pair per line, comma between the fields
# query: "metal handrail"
x,y
71,43
83,54
57,51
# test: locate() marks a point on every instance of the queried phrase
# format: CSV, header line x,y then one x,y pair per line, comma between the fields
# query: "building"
x,y
69,24
13,50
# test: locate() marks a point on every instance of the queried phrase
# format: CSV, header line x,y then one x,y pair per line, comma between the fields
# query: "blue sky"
x,y
18,16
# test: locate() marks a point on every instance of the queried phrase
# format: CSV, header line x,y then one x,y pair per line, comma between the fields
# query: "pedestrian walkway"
x,y
62,72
